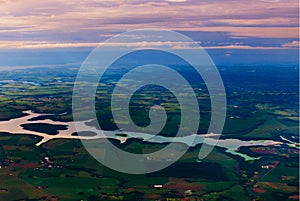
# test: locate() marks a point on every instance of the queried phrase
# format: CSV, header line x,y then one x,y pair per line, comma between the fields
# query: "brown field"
x,y
183,185
259,190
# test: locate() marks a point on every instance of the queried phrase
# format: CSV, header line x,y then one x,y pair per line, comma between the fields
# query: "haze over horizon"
x,y
233,31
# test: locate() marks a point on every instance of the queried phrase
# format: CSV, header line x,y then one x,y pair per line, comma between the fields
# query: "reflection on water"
x,y
13,126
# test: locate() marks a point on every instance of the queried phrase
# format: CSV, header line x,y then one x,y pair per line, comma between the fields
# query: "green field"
x,y
258,112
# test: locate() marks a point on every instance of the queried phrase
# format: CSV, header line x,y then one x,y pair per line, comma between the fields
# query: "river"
x,y
13,126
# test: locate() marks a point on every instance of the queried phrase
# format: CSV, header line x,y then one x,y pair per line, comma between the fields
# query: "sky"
x,y
224,25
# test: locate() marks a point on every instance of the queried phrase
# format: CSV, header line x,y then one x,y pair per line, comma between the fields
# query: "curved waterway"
x,y
14,126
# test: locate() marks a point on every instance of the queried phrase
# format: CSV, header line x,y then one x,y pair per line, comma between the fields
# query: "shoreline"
x,y
13,126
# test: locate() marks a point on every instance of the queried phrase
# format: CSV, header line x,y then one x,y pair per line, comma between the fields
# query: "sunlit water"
x,y
13,126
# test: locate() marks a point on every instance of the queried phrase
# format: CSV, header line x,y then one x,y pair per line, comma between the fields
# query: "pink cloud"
x,y
45,19
135,45
293,44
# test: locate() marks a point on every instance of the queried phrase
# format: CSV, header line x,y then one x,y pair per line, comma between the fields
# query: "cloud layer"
x,y
69,23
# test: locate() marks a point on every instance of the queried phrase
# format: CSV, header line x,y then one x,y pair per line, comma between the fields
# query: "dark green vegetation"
x,y
44,128
72,174
256,110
